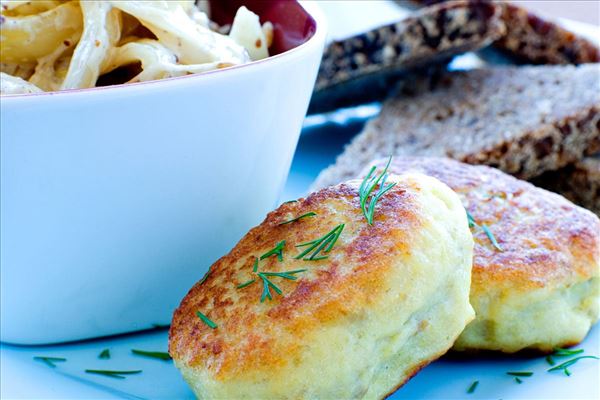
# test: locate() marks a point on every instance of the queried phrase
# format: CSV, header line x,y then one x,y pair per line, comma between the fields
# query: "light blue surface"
x,y
323,138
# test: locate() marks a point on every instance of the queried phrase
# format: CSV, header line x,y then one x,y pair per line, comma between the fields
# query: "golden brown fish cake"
x,y
388,299
542,289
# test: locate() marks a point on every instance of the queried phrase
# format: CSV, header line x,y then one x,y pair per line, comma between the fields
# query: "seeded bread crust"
x,y
532,39
538,41
522,120
362,68
578,182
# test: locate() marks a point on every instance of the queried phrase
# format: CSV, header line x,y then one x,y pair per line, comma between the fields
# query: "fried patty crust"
x,y
388,298
539,288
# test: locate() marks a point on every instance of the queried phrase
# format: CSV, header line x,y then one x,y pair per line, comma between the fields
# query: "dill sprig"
x,y
518,380
473,386
366,188
248,283
308,214
567,364
205,277
323,244
255,266
49,361
520,374
471,220
486,230
560,352
266,293
112,374
491,236
205,319
268,285
277,250
550,360
104,354
285,275
161,355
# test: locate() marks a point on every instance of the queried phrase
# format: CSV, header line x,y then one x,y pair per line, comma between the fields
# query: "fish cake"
x,y
538,288
356,321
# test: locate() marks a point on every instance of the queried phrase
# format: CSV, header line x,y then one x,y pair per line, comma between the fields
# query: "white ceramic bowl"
x,y
115,201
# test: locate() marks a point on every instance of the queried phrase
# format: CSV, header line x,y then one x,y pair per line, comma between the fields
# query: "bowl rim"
x,y
319,35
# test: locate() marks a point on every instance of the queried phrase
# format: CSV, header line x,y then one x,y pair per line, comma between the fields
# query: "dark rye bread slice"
x,y
532,39
578,182
522,120
364,67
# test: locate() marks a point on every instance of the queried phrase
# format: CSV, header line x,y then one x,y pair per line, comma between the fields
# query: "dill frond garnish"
x,y
550,360
308,214
486,230
277,250
104,354
567,364
248,283
521,374
205,319
518,380
112,374
49,361
255,266
205,277
366,188
472,388
161,355
491,236
560,352
266,293
268,285
321,245
471,220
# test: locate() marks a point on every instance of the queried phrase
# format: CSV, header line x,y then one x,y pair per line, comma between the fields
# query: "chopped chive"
x,y
567,364
104,354
205,319
560,352
520,373
112,374
323,244
368,185
152,354
308,214
243,285
473,386
550,360
49,361
491,236
518,380
277,250
255,266
205,277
